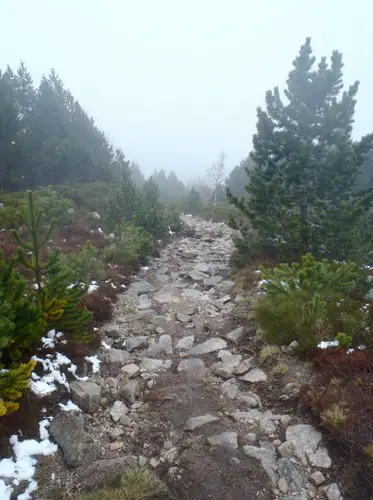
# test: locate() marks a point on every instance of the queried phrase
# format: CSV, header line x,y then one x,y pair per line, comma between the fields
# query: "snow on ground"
x,y
21,466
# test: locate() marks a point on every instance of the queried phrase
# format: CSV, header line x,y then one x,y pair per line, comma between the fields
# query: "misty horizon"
x,y
174,85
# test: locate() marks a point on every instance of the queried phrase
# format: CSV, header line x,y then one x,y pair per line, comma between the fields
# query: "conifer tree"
x,y
306,163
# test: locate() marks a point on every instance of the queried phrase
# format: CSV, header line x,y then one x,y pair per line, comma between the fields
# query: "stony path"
x,y
177,391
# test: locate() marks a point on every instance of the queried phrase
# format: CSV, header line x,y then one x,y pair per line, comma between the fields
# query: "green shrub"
x,y
131,242
54,207
86,265
219,212
311,301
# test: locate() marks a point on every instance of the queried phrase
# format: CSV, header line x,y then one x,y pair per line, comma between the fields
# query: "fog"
x,y
172,82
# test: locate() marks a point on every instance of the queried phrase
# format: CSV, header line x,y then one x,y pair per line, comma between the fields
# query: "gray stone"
x,y
131,370
103,472
67,429
194,423
286,449
213,281
317,478
245,366
194,365
254,375
183,318
230,359
226,286
130,391
202,267
133,343
289,472
163,278
267,457
141,287
236,335
116,356
113,332
245,416
193,293
222,370
250,401
211,345
305,440
226,440
86,395
162,346
166,297
229,389
197,276
267,426
118,410
283,485
185,343
250,438
332,492
155,365
144,303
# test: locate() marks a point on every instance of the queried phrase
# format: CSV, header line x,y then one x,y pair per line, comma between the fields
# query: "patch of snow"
x,y
92,287
51,338
325,344
95,363
69,406
145,268
105,345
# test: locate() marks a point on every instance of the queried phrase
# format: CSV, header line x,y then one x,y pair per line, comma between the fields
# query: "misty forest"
x,y
172,338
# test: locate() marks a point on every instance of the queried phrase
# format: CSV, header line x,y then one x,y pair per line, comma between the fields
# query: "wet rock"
x,y
133,343
67,429
86,395
118,410
194,365
235,336
130,391
317,478
306,440
155,365
211,345
267,457
254,375
226,440
141,287
185,343
194,423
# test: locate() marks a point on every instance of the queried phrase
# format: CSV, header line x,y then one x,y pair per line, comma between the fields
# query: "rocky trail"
x,y
180,390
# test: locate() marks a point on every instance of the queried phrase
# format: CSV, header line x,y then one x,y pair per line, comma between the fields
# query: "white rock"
x,y
118,410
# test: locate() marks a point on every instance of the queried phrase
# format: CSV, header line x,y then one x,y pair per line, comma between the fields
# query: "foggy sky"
x,y
172,82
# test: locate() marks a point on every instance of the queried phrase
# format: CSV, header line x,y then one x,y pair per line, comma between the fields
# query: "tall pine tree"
x,y
301,189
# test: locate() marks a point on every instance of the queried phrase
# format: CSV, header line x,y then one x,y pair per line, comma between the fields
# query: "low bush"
x,y
86,265
219,212
312,301
131,242
99,304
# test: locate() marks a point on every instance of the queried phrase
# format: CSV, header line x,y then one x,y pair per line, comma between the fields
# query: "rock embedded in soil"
x,y
185,343
139,342
226,440
86,395
211,345
254,375
67,429
118,410
183,318
290,472
317,478
141,287
332,492
131,370
113,332
235,336
194,423
305,440
267,457
155,365
191,365
130,391
245,366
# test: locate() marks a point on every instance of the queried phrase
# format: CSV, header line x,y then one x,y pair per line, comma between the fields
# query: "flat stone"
x,y
131,370
245,416
305,440
130,391
317,478
155,365
194,365
332,492
118,410
249,401
290,473
194,423
185,343
236,335
250,438
245,366
113,332
197,276
226,440
117,445
163,278
267,426
86,395
116,356
183,318
211,345
254,375
213,281
133,343
222,370
141,287
193,293
267,457
144,303
67,429
230,359
166,297
203,267
161,346
226,286
229,389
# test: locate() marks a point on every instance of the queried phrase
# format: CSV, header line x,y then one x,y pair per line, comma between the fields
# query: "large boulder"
x,y
67,429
